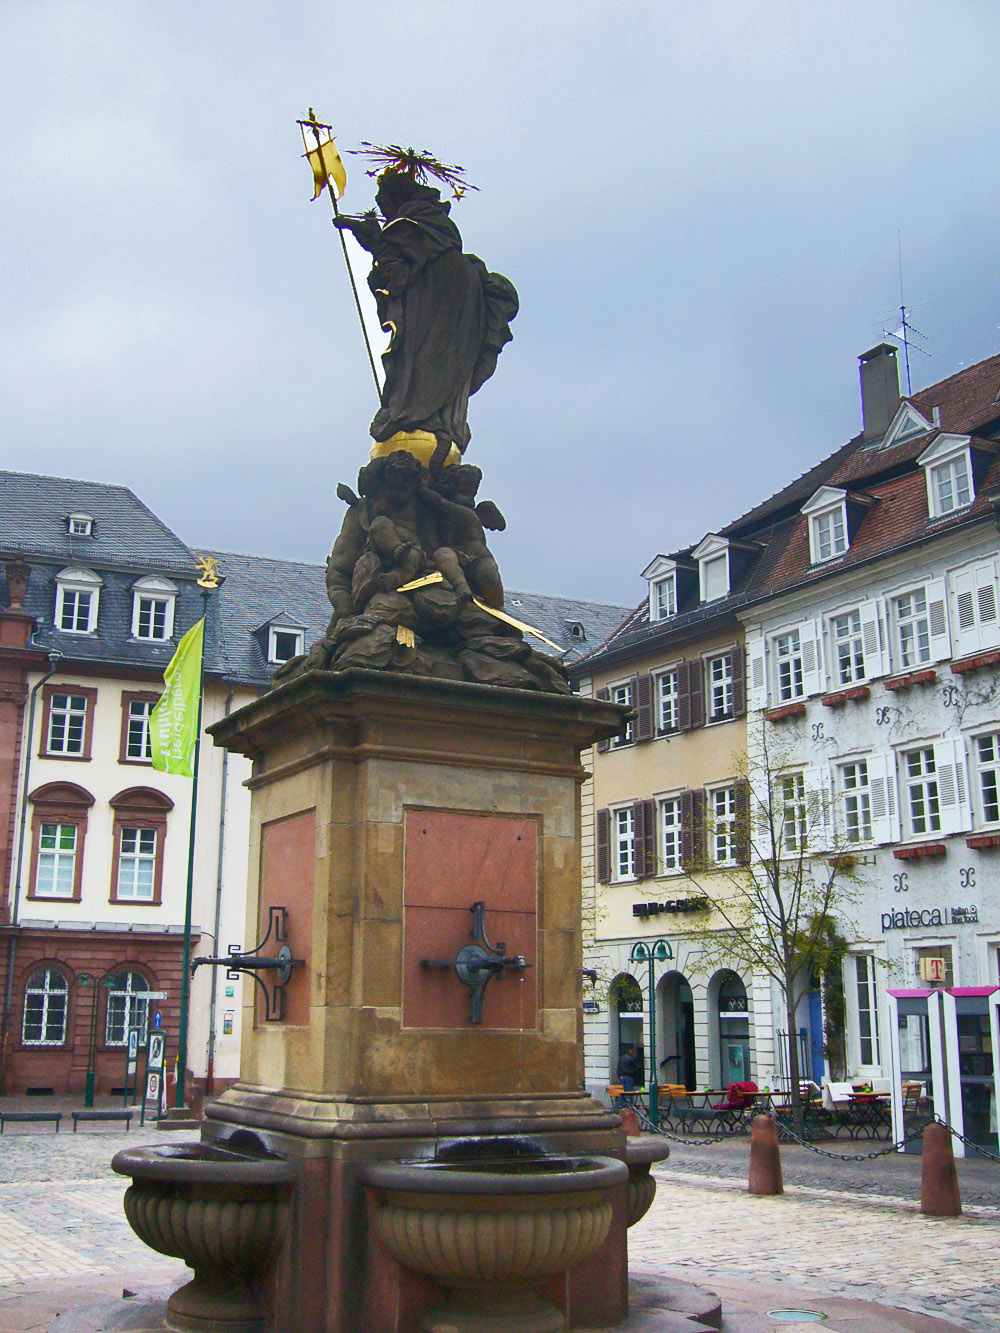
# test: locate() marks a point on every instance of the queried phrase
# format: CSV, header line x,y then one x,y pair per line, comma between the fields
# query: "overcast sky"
x,y
698,204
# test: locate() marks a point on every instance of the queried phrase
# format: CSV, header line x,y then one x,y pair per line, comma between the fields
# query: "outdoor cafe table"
x,y
868,1114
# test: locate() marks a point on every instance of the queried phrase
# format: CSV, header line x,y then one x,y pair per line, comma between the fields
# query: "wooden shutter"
x,y
603,847
811,647
975,624
684,696
873,640
953,787
644,839
938,620
882,789
692,829
643,695
604,745
742,821
819,827
756,672
738,658
696,692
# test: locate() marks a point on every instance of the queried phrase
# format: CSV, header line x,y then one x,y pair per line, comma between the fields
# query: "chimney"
x,y
879,390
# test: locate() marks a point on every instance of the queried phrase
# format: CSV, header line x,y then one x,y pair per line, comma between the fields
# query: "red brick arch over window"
x,y
59,803
140,808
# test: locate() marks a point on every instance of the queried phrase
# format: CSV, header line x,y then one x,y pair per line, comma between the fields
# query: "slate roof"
x,y
34,509
129,541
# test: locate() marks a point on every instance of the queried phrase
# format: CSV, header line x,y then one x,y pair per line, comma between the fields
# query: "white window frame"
x,y
719,687
622,839
826,513
863,982
987,766
79,524
667,701
50,861
947,462
794,833
854,640
670,835
664,597
139,718
129,1004
722,831
854,800
157,592
62,717
272,642
924,782
131,863
910,620
712,552
48,994
786,658
623,693
74,583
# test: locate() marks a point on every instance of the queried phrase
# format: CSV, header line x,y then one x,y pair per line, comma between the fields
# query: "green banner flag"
x,y
173,723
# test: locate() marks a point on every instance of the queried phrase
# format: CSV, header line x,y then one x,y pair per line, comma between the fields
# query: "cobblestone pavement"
x,y
842,1229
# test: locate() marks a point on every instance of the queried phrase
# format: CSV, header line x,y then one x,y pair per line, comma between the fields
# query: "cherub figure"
x,y
463,556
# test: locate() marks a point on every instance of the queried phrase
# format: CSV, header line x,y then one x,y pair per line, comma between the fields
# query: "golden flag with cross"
x,y
326,166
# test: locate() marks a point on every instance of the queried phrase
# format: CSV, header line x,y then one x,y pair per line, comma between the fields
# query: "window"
x,y
829,535
284,644
719,675
920,781
623,833
671,853
722,811
140,827
45,1001
912,628
865,992
848,648
623,694
153,601
987,752
128,1009
58,827
975,623
715,578
664,598
788,666
856,803
951,486
80,525
933,966
134,745
668,700
77,595
794,823
55,873
67,724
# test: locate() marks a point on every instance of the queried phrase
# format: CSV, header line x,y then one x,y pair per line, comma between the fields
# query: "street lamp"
x,y
658,951
85,981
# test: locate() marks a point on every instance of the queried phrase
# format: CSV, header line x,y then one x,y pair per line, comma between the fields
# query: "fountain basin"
x,y
223,1211
640,1154
491,1230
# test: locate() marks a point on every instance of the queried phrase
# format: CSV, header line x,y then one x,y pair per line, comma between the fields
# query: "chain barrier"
x,y
983,1152
785,1131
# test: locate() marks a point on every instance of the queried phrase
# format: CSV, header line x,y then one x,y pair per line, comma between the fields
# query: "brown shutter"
x,y
603,847
696,688
692,829
604,745
742,821
684,696
643,695
649,819
738,658
639,838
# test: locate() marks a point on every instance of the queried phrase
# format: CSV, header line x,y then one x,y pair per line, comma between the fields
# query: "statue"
x,y
448,317
411,580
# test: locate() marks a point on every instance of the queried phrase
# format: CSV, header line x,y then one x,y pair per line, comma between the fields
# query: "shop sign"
x,y
910,918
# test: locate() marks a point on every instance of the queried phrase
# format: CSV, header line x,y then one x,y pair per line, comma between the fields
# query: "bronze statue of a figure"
x,y
447,316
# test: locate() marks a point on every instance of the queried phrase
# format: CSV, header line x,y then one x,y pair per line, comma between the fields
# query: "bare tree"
x,y
779,883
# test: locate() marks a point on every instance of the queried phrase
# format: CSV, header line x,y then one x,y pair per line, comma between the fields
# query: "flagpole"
x,y
315,126
182,1026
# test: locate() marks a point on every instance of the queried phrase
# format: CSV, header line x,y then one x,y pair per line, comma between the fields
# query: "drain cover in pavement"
x,y
797,1316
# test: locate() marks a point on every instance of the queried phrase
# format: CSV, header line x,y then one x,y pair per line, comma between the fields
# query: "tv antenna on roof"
x,y
904,331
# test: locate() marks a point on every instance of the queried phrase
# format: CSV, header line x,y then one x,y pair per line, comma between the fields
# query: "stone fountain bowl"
x,y
222,1210
489,1231
640,1154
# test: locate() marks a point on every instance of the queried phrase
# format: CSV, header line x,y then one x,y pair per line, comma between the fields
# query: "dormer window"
x,y
77,594
948,467
712,554
663,598
80,525
576,630
826,513
153,601
284,643
906,425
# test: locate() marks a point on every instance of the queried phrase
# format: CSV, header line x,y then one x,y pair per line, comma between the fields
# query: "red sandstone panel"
x,y
287,876
452,860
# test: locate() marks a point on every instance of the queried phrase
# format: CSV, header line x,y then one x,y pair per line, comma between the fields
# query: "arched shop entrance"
x,y
733,1010
625,1011
676,1003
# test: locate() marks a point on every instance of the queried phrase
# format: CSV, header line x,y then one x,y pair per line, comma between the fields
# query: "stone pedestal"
x,y
383,807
